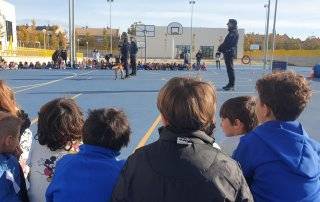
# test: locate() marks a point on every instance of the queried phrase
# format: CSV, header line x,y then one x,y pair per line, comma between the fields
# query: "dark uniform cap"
x,y
232,22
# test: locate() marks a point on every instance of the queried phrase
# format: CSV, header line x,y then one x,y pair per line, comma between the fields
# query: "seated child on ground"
x,y
237,118
12,184
278,158
91,174
59,133
118,68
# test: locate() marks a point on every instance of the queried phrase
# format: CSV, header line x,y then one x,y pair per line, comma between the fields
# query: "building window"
x,y
9,30
207,51
180,50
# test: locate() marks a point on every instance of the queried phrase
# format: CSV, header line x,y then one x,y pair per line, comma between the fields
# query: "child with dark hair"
x,y
237,118
105,132
59,132
12,183
278,158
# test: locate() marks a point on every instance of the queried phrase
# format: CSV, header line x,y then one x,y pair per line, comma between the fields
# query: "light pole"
x,y
71,33
87,49
110,3
78,40
266,39
191,2
44,38
274,30
87,52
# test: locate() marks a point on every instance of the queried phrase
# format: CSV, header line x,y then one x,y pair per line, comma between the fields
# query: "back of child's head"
x,y
285,93
241,108
7,101
60,124
188,104
108,128
9,126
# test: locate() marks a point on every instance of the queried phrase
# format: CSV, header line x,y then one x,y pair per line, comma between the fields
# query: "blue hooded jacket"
x,y
9,178
280,162
89,175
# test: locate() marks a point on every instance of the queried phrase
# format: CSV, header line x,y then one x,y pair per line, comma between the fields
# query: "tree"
x,y
106,39
54,42
132,29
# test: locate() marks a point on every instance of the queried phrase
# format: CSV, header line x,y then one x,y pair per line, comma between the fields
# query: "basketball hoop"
x,y
174,28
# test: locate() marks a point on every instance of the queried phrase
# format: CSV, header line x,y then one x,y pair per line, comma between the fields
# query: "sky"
x,y
296,18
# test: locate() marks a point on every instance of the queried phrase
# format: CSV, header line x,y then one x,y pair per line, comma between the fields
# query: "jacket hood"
x,y
291,143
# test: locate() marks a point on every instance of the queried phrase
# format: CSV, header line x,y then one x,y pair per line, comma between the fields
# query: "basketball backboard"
x,y
174,28
145,30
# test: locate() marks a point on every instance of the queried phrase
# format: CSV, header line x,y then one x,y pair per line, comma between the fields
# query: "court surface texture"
x,y
137,96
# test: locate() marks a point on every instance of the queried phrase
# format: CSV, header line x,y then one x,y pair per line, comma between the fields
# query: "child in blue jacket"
x,y
279,159
12,184
91,174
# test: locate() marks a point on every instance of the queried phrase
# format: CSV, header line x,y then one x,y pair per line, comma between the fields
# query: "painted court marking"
x,y
50,82
145,138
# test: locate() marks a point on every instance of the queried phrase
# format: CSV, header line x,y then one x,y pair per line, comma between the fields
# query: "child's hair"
x,y
241,108
60,124
188,104
107,128
9,125
7,101
286,93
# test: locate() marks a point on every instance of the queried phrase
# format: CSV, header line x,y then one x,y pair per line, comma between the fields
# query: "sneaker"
x,y
228,88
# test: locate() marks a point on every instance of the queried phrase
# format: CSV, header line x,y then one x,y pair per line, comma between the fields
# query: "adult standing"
x,y
229,50
125,53
133,57
199,57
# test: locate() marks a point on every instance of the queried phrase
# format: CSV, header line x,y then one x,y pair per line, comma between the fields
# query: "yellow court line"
x,y
145,138
35,120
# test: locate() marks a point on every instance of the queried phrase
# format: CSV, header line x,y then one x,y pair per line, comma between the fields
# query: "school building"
x,y
8,33
163,45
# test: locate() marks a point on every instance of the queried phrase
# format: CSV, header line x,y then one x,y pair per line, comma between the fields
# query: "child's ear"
x,y
238,124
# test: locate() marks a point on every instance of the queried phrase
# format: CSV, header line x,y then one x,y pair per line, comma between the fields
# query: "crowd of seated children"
x,y
278,160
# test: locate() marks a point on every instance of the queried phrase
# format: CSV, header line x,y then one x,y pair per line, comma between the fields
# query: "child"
x,y
12,184
237,118
118,68
59,133
183,164
218,58
278,158
91,174
8,105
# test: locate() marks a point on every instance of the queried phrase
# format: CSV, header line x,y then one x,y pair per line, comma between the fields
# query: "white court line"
x,y
35,120
51,82
35,84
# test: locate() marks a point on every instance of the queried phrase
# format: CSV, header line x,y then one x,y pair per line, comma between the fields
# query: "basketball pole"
x,y
71,32
191,2
145,45
266,42
274,31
